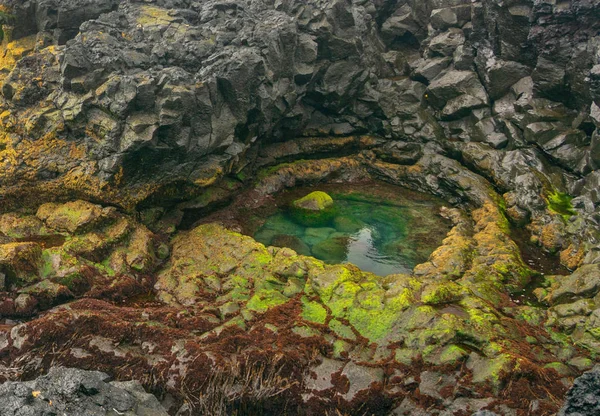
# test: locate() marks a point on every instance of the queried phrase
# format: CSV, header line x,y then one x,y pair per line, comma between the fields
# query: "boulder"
x,y
452,85
71,217
584,282
313,210
446,43
583,397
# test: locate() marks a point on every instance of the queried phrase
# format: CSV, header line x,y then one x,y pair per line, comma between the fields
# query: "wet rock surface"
x,y
124,125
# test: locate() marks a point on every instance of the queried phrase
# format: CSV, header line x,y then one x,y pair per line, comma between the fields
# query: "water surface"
x,y
378,227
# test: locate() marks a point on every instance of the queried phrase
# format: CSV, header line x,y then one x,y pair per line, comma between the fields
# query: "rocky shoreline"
x,y
132,134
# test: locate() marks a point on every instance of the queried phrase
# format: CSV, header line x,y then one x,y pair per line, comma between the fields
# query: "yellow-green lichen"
x,y
266,299
313,311
560,203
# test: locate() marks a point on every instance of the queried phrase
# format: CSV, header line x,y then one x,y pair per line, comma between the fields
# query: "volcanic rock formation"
x,y
123,123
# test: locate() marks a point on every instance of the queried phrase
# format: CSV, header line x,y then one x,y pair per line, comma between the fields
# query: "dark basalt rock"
x,y
169,108
77,392
134,97
583,399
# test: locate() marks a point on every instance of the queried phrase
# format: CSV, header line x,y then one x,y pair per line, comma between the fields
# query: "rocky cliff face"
x,y
157,110
114,100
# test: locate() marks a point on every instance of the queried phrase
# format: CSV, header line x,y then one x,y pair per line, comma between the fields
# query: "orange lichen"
x,y
572,256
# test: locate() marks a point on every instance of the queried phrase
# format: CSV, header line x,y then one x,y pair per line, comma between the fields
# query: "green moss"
x,y
293,287
260,258
326,281
559,338
341,348
377,323
47,268
314,210
313,311
341,330
71,281
105,267
502,221
315,201
594,331
266,299
531,315
344,297
452,354
359,299
441,293
560,203
241,288
491,370
514,272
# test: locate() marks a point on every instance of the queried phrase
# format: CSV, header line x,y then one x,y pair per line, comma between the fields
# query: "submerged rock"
x,y
293,242
331,250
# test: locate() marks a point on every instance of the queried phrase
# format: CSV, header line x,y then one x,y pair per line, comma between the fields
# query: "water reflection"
x,y
383,237
363,253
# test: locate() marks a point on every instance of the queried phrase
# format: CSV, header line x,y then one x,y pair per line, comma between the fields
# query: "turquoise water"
x,y
380,236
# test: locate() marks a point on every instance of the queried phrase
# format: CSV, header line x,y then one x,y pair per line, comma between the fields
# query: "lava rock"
x,y
73,391
583,399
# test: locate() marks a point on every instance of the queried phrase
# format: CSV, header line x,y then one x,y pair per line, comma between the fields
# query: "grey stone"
x,y
583,398
361,378
583,283
77,392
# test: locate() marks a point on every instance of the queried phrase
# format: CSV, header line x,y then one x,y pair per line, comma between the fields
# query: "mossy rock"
x,y
315,201
21,262
72,217
442,293
291,241
313,311
347,224
314,210
560,203
17,226
332,250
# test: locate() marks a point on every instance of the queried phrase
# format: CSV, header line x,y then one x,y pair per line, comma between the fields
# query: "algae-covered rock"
x,y
584,282
74,249
315,201
490,370
21,262
314,210
332,250
442,293
293,242
347,224
71,217
19,226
